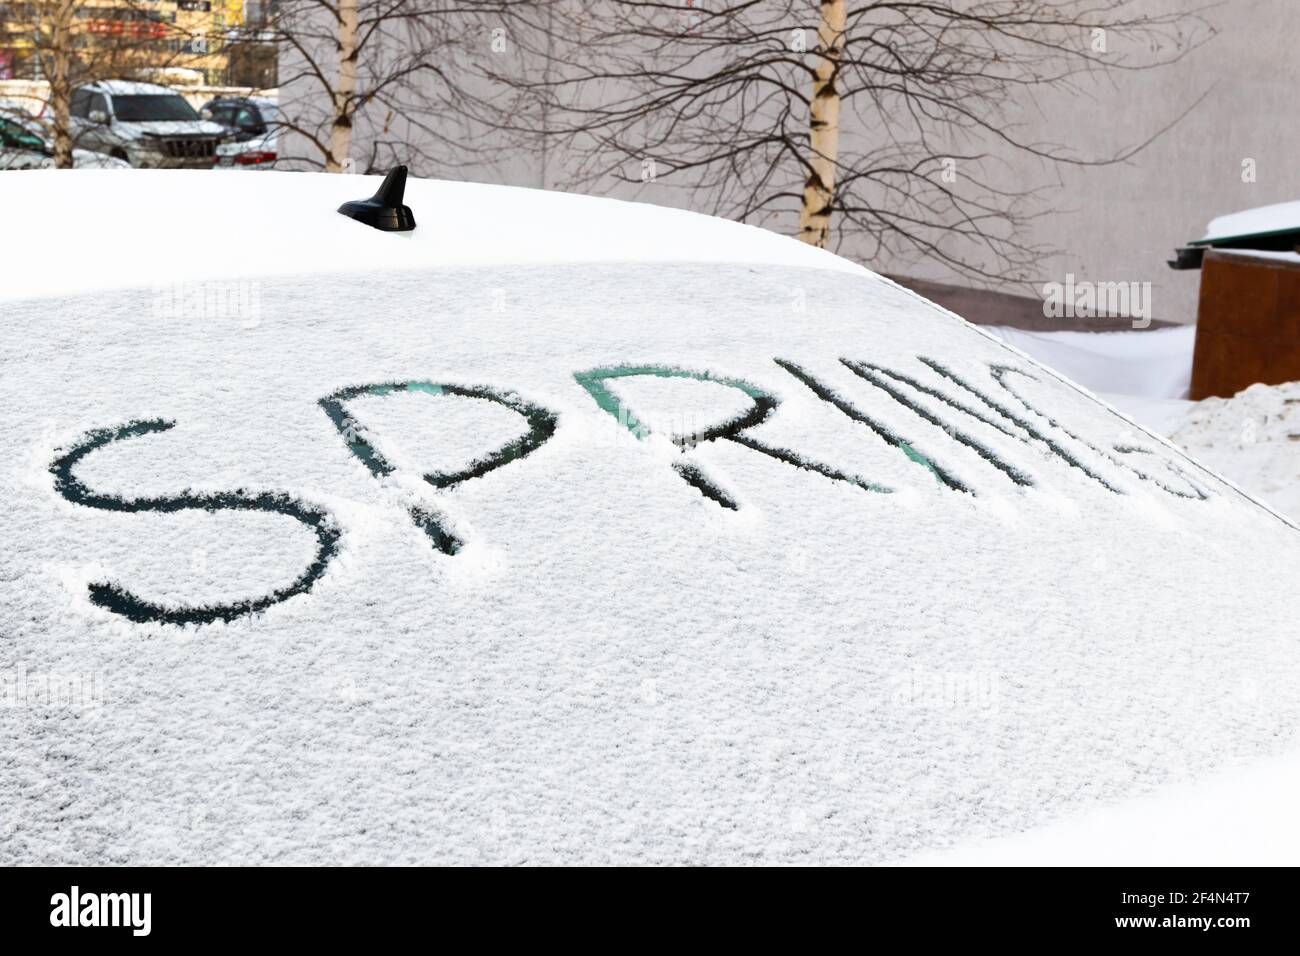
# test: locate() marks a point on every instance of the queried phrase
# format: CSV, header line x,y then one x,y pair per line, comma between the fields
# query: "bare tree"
x,y
343,96
860,131
367,84
56,49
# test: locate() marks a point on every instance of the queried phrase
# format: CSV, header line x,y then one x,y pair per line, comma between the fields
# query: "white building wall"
x,y
1108,223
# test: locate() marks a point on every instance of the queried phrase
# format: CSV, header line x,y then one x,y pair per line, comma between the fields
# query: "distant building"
x,y
205,36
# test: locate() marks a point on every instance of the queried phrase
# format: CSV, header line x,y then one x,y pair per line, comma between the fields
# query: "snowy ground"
x,y
405,565
1153,364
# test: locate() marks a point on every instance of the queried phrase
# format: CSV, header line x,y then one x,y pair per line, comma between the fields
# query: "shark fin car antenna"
x,y
384,210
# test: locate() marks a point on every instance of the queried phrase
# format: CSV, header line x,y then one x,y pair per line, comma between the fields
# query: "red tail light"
x,y
255,158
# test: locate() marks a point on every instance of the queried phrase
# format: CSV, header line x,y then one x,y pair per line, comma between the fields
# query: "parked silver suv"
x,y
145,124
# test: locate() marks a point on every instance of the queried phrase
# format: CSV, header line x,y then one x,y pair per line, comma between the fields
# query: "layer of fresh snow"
x,y
1249,222
1241,816
1150,364
613,667
179,225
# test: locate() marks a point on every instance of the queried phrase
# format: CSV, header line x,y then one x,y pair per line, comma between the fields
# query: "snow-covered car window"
x,y
820,407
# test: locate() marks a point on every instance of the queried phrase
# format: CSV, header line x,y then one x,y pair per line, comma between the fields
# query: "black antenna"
x,y
384,210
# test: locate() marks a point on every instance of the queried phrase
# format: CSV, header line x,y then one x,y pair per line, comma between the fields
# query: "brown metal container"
x,y
1247,325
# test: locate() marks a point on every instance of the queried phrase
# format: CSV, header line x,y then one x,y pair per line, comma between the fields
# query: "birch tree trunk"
x,y
58,70
824,127
345,89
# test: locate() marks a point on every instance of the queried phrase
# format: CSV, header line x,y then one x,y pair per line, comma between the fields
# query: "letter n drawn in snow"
x,y
1017,419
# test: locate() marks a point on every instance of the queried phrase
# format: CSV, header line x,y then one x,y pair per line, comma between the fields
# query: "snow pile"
x,y
589,562
1252,439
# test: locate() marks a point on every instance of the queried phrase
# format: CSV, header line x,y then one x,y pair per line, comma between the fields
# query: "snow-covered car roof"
x,y
263,102
561,530
286,224
128,87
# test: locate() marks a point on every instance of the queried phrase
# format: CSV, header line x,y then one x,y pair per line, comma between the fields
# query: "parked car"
x,y
25,144
144,124
251,123
20,148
